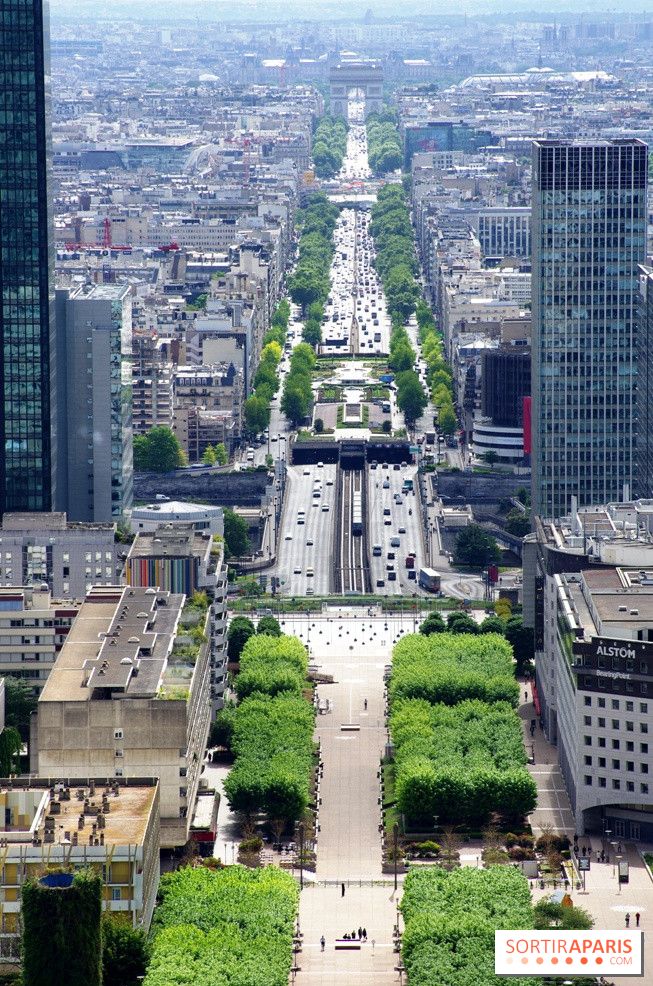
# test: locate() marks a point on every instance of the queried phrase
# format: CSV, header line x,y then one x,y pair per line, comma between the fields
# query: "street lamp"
x,y
618,874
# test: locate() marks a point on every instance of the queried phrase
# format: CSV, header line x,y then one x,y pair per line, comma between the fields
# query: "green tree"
x,y
492,624
305,287
20,703
256,412
547,914
522,640
10,744
294,404
491,457
517,523
432,624
447,419
318,426
240,630
222,726
158,451
236,535
476,547
269,626
458,622
209,457
312,332
386,427
411,398
125,952
221,456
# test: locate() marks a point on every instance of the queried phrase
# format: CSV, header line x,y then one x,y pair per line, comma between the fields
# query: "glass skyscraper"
x,y
644,468
588,238
27,323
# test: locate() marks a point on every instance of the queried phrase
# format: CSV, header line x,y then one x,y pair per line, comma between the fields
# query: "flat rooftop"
x,y
171,541
125,821
117,647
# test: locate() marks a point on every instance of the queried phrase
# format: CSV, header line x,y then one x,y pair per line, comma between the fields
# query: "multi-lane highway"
x,y
394,530
306,541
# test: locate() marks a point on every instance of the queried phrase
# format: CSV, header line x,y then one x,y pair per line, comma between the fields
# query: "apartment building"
x,y
110,826
181,559
208,405
129,696
33,629
37,548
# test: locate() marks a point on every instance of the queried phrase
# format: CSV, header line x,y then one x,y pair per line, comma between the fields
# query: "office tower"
x,y
27,325
644,468
504,233
588,237
95,462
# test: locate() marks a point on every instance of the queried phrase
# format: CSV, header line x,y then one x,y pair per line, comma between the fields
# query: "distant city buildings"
x,y
33,629
589,235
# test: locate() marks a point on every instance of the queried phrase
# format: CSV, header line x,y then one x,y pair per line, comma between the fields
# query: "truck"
x,y
387,377
429,579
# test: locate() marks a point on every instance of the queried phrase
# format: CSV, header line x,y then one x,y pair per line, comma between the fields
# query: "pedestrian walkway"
x,y
553,807
349,840
604,897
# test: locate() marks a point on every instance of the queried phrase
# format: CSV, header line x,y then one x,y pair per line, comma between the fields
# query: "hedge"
x,y
449,668
271,665
450,920
230,927
461,763
272,740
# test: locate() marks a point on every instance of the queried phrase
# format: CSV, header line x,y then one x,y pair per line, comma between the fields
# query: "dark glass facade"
x,y
27,322
644,471
505,381
588,238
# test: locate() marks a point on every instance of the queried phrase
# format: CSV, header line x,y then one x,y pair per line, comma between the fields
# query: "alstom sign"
x,y
596,649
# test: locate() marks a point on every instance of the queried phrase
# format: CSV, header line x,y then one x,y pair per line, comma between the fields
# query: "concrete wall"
x,y
227,489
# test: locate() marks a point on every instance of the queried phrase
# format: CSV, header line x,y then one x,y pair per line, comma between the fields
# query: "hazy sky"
x,y
284,10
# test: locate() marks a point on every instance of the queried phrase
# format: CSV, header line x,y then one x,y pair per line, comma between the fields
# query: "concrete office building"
x,y
46,548
94,328
33,629
27,322
178,558
129,696
588,593
644,459
504,233
71,823
588,238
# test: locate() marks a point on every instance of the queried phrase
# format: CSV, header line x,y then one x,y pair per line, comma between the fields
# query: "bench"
x,y
347,946
349,727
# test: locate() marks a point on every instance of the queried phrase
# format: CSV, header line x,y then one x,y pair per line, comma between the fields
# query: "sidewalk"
x,y
606,900
349,842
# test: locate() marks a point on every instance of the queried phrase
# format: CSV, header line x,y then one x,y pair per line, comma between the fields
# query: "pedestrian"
x,y
628,920
526,696
353,936
365,930
583,850
365,705
618,847
322,942
637,917
342,890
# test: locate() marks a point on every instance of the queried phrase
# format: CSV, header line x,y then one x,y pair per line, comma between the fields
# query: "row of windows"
x,y
616,744
616,764
615,703
616,784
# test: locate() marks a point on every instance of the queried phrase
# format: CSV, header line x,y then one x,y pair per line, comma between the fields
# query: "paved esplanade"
x,y
354,650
